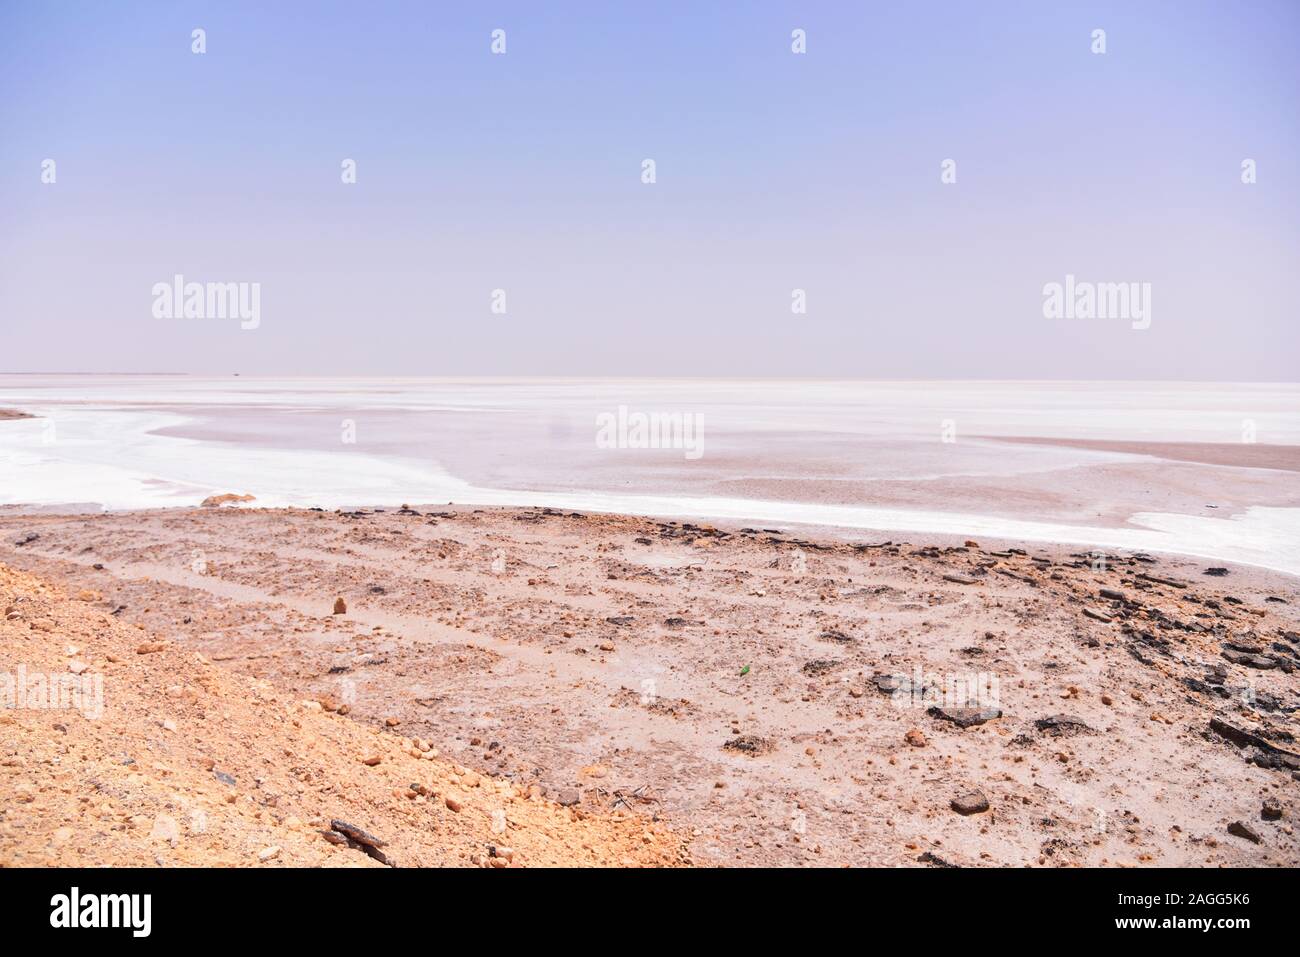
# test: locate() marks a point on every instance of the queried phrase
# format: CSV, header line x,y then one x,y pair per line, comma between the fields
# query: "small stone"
x,y
1239,829
915,738
972,803
965,717
1062,725
150,647
1099,616
77,667
42,624
568,797
454,804
268,853
340,606
392,722
1272,810
371,760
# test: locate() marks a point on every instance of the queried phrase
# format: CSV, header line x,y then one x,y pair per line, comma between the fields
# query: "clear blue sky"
x,y
775,171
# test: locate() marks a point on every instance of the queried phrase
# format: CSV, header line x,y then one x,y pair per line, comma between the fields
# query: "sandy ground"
x,y
742,686
162,757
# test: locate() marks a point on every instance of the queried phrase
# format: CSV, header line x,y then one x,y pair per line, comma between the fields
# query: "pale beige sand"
x,y
605,654
186,763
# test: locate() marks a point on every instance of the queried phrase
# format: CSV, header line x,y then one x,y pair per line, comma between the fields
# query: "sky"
x,y
775,171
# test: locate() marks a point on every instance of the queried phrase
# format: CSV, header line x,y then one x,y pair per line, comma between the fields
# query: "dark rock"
x,y
357,839
934,860
358,835
1239,829
568,797
1244,647
1271,810
1262,662
965,717
971,803
1216,572
820,666
750,744
1062,725
1265,753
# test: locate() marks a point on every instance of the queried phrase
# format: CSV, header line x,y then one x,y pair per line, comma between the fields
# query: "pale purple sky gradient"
x,y
775,171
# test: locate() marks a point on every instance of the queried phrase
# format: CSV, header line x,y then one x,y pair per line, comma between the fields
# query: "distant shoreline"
x,y
1243,455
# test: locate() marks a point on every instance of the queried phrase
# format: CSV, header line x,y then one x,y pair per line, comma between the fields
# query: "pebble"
x,y
965,717
268,853
915,738
973,803
1239,829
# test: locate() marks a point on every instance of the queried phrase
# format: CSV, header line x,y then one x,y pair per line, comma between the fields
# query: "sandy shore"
x,y
742,685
